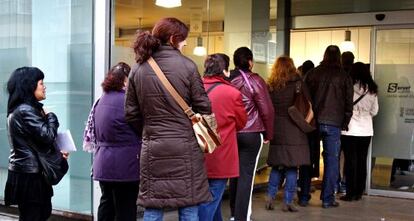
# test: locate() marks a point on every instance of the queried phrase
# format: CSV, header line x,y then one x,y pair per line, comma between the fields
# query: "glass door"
x,y
392,155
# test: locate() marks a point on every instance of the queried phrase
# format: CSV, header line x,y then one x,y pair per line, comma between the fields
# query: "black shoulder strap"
x,y
360,98
212,87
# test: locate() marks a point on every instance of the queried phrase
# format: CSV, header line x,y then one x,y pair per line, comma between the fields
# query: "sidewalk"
x,y
370,208
7,217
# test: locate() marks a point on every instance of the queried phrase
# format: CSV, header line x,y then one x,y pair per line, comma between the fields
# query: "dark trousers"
x,y
306,172
241,188
118,201
35,211
356,151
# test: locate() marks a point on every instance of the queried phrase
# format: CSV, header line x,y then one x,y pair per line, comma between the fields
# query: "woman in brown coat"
x,y
289,147
172,165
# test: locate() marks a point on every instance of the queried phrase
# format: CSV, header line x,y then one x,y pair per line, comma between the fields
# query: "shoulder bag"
x,y
301,111
54,166
205,127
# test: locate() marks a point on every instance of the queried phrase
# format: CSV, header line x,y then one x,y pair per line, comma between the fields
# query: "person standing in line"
x,y
258,130
227,105
347,60
116,155
172,170
289,148
355,141
307,172
30,129
331,92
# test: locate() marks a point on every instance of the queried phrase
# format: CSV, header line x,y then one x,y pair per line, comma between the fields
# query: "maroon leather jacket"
x,y
259,108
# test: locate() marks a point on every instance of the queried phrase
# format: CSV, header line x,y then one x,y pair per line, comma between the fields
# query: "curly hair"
x,y
282,70
166,31
114,81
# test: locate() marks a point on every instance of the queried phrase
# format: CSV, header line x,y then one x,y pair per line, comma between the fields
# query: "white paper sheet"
x,y
64,141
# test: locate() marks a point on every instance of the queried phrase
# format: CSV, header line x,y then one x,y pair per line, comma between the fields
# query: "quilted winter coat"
x,y
172,172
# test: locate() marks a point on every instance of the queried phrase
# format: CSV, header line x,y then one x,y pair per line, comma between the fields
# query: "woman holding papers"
x,y
116,160
31,129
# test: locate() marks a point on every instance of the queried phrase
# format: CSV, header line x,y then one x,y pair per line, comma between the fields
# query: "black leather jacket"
x,y
332,91
29,128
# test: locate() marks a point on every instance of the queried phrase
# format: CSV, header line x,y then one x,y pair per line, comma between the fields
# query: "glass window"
x,y
55,36
220,26
392,145
318,7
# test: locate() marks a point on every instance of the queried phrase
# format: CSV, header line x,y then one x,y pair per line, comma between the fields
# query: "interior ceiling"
x,y
128,12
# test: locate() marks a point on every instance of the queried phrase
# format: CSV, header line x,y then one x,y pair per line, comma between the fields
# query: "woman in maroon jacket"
x,y
227,105
258,130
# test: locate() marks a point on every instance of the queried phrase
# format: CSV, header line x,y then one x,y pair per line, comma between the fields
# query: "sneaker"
x,y
330,205
231,219
346,198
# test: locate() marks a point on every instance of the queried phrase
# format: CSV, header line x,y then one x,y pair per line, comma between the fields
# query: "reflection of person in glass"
x,y
29,126
172,168
356,140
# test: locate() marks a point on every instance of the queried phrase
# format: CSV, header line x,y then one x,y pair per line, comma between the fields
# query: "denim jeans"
x,y
189,213
211,211
331,138
290,185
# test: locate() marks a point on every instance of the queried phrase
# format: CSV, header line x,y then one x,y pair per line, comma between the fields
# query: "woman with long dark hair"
x,y
30,129
258,130
172,168
116,155
356,140
289,148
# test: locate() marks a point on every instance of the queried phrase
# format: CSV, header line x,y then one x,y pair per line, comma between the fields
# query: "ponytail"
x,y
144,46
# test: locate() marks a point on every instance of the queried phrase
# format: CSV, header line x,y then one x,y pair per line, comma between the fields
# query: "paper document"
x,y
64,141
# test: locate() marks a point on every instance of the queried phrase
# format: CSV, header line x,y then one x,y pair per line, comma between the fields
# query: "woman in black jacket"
x,y
29,126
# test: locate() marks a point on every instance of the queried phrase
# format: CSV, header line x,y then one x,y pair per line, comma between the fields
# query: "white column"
x,y
101,62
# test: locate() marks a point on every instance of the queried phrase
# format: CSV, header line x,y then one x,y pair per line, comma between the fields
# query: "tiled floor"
x,y
370,208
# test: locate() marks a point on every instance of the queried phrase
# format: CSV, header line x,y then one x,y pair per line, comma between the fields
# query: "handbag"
x,y
204,126
301,111
54,166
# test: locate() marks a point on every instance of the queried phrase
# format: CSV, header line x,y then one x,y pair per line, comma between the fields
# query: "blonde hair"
x,y
282,70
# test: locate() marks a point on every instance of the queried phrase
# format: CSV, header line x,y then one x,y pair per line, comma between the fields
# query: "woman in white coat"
x,y
355,141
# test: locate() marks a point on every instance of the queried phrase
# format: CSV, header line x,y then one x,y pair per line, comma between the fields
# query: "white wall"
x,y
311,45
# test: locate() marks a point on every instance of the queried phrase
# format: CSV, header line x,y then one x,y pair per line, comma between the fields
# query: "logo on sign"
x,y
394,88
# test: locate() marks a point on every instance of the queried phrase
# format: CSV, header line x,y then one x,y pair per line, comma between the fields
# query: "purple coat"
x,y
118,146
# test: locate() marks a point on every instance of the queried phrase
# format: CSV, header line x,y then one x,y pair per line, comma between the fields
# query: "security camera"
x,y
380,17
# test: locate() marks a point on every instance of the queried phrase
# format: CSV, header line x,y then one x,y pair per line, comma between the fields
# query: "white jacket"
x,y
363,111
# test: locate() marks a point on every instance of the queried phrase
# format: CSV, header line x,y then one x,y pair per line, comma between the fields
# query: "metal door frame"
x,y
371,191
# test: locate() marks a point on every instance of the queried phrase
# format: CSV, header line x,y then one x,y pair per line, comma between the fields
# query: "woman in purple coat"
x,y
117,151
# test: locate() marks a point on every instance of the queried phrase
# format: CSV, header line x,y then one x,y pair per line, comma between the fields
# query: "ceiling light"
x,y
168,3
199,50
347,45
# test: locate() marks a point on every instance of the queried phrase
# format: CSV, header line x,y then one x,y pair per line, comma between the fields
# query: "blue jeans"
x,y
290,185
189,213
211,211
331,138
